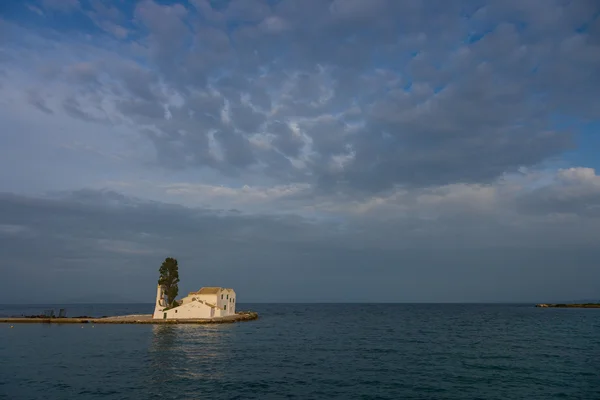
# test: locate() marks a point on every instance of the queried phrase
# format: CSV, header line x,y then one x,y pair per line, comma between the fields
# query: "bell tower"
x,y
160,301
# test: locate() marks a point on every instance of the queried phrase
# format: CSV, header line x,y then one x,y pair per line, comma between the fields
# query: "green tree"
x,y
169,278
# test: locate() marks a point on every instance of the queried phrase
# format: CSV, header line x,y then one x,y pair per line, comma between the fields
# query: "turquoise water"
x,y
332,351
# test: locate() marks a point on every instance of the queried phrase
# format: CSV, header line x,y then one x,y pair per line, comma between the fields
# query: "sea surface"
x,y
310,351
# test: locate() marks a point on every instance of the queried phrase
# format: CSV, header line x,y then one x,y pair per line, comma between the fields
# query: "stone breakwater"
x,y
585,305
133,319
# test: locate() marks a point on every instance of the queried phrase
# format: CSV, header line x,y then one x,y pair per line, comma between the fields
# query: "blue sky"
x,y
428,151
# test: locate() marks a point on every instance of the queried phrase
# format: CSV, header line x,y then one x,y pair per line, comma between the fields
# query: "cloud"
x,y
14,230
346,135
376,103
38,101
61,5
247,11
467,113
576,191
35,10
469,232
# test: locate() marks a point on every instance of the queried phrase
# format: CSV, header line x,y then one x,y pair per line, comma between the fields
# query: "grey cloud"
x,y
73,107
246,119
410,112
279,166
103,10
116,30
274,25
285,140
205,8
260,98
329,135
247,10
10,230
423,111
212,40
445,141
356,10
84,74
594,31
237,149
298,109
95,237
561,16
61,5
307,86
168,33
141,108
210,50
102,234
39,102
548,201
177,150
576,192
231,86
108,18
205,108
141,83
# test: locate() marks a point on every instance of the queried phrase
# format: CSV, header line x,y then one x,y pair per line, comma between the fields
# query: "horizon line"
x,y
315,302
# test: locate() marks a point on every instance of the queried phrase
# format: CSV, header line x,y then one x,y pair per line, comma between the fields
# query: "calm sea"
x,y
296,351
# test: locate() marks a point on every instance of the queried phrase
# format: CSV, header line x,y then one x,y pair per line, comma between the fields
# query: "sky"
x,y
300,150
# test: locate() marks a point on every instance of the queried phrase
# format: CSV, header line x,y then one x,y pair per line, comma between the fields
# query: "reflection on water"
x,y
189,351
163,337
163,359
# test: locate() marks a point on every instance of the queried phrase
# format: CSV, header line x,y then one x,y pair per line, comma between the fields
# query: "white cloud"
x,y
274,24
583,176
35,10
242,197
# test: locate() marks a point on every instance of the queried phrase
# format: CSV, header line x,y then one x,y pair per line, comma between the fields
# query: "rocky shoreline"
x,y
560,305
133,319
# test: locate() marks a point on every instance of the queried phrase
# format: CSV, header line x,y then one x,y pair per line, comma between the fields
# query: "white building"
x,y
208,302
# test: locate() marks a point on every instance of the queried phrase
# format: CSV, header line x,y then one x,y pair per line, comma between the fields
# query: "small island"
x,y
209,305
568,305
132,319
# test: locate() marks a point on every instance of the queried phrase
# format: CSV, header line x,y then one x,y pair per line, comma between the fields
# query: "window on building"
x,y
227,297
221,297
225,307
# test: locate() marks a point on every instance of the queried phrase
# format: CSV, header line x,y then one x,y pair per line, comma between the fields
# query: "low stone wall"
x,y
134,319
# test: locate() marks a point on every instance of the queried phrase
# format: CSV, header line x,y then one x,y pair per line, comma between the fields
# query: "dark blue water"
x,y
328,351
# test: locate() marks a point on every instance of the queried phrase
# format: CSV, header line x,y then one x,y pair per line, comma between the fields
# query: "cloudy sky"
x,y
300,150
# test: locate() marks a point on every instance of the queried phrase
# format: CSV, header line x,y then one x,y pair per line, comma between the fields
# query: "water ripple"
x,y
316,352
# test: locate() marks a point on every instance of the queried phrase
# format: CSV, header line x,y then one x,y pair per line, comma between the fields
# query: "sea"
x,y
309,351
